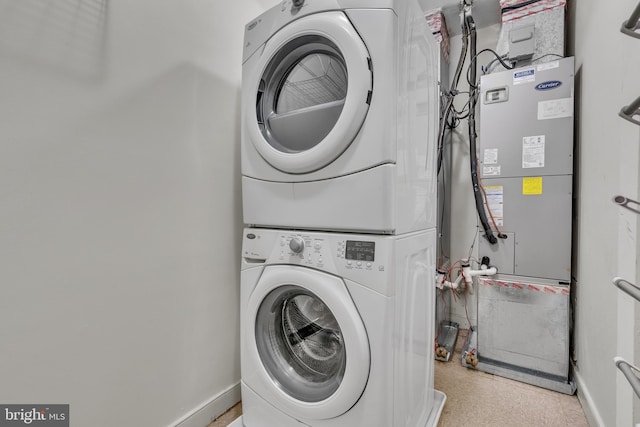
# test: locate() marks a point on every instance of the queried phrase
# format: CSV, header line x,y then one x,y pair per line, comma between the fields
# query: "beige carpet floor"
x,y
478,399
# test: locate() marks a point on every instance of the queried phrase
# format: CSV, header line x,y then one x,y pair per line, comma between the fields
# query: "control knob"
x,y
296,245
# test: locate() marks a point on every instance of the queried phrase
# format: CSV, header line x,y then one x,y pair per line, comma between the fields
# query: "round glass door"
x,y
306,348
300,343
309,93
302,94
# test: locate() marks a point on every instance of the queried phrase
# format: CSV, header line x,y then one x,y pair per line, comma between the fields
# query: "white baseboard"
x,y
207,411
588,406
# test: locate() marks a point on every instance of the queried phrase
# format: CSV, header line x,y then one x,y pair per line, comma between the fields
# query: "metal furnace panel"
x,y
502,254
526,121
523,325
537,210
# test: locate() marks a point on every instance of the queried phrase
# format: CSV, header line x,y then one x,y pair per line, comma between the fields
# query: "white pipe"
x,y
441,283
469,274
482,272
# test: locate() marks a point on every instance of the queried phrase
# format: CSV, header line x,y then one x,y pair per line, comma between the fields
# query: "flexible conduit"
x,y
477,192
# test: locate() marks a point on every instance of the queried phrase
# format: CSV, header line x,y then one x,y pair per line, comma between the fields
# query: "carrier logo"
x,y
34,415
551,84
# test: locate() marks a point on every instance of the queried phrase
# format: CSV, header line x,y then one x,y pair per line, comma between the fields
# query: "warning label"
x,y
533,151
495,203
532,185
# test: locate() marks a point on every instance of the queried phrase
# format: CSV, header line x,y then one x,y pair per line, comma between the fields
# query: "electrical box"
x,y
521,42
526,170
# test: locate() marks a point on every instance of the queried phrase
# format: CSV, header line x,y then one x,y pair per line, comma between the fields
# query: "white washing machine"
x,y
337,330
340,108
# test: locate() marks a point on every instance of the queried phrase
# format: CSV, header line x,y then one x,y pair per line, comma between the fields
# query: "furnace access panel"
x,y
526,168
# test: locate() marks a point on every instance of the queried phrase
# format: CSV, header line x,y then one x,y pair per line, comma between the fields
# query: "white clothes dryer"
x,y
340,116
337,330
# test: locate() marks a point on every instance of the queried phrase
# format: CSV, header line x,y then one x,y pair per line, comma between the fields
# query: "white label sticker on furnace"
x,y
490,156
549,65
495,203
490,170
555,109
533,152
524,76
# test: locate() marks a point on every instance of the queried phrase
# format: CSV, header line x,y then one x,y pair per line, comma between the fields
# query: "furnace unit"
x,y
526,169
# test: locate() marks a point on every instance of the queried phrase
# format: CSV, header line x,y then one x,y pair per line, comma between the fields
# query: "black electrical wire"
x,y
461,60
489,67
444,195
486,69
472,138
472,83
498,57
544,56
441,131
473,243
444,120
517,6
464,110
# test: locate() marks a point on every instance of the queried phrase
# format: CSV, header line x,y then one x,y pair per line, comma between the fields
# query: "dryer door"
x,y
310,341
311,90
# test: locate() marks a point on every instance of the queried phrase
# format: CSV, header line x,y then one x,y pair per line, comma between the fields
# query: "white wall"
x,y
607,64
120,219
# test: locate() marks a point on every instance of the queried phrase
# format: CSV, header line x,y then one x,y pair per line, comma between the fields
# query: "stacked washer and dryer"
x,y
339,123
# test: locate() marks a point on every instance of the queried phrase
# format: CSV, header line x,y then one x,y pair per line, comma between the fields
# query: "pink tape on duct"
x,y
438,27
522,286
511,11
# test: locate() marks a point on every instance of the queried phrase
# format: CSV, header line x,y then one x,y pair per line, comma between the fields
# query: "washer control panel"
x,y
357,253
332,252
296,244
324,251
364,259
302,248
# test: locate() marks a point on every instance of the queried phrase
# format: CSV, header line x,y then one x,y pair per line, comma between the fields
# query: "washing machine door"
x,y
310,340
311,90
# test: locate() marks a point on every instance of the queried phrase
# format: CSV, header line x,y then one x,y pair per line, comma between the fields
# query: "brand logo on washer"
x,y
548,85
252,25
251,236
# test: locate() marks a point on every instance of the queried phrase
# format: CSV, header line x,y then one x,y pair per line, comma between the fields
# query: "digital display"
x,y
360,251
